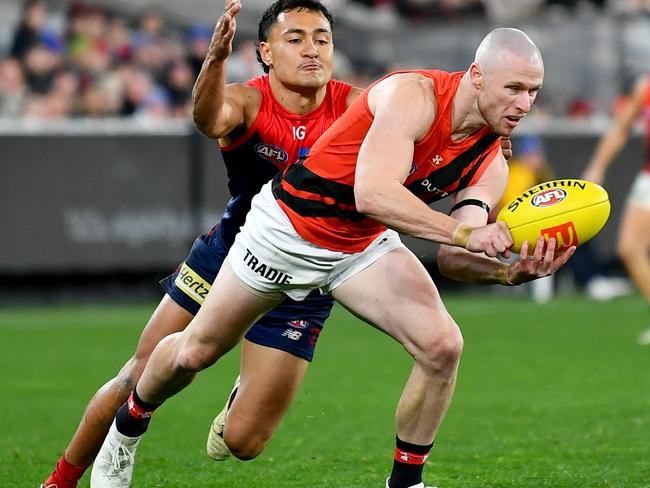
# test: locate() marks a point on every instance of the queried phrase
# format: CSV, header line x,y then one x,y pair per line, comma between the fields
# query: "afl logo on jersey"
x,y
548,198
272,153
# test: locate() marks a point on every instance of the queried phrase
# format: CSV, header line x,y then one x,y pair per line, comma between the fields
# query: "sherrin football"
x,y
572,211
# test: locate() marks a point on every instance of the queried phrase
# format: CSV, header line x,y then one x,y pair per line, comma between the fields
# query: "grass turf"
x,y
548,396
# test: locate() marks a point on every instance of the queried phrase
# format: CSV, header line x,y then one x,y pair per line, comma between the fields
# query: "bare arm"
x,y
404,109
615,139
217,108
458,264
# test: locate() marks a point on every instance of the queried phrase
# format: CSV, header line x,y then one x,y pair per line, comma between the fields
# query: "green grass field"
x,y
548,396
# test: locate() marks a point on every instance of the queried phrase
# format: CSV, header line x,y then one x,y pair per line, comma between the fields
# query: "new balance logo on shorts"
x,y
294,335
265,270
190,283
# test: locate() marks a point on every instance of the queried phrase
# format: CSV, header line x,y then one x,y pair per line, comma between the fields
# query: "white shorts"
x,y
640,192
269,256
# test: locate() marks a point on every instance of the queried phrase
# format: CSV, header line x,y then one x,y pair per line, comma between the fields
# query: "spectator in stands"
x,y
119,41
198,40
243,64
41,66
13,89
29,31
178,82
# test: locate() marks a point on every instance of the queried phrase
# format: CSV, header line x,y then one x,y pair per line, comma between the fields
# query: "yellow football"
x,y
572,211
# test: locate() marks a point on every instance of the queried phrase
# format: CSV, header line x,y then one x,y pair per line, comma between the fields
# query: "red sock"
x,y
65,475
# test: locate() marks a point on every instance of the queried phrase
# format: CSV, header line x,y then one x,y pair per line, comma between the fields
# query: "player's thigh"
x,y
397,295
634,232
227,312
269,380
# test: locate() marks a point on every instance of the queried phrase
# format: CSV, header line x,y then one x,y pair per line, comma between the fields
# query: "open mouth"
x,y
514,119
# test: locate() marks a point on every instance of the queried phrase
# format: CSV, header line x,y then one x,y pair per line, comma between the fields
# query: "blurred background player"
x,y
261,126
633,245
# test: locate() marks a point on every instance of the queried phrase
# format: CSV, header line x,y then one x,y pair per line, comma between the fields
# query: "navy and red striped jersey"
x,y
317,193
273,141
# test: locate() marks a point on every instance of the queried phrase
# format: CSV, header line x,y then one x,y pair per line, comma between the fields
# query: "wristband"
x,y
460,237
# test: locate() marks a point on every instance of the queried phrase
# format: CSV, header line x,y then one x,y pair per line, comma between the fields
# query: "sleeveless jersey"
x,y
273,141
645,114
317,193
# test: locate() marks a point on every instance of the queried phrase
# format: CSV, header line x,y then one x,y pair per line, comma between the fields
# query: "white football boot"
x,y
419,485
216,447
113,467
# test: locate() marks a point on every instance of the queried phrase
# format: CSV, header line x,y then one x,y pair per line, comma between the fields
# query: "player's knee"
x,y
245,447
128,376
196,357
246,452
441,351
112,394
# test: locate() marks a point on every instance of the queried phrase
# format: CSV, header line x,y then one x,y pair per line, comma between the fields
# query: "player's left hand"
x,y
506,147
224,31
544,261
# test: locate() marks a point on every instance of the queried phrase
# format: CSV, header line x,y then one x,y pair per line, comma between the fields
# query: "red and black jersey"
x,y
317,193
645,114
273,141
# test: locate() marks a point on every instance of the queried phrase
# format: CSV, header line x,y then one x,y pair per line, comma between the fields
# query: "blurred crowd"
x,y
494,10
85,61
98,64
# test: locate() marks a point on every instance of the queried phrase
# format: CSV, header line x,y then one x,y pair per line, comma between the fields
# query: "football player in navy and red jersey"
x,y
329,222
262,126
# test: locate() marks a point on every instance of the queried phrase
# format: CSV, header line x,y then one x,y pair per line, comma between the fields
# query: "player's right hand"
x,y
224,31
492,239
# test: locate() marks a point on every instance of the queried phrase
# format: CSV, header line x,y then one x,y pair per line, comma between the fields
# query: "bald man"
x,y
330,222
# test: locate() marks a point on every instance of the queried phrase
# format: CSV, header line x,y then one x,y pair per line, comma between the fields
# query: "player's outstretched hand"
x,y
224,31
492,239
544,261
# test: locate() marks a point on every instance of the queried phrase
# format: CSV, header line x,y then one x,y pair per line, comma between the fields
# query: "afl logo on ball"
x,y
275,154
548,198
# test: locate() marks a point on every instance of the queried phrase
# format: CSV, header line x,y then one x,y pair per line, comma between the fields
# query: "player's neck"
x,y
297,100
465,115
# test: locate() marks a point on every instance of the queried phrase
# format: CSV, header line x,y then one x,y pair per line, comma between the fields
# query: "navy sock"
x,y
132,418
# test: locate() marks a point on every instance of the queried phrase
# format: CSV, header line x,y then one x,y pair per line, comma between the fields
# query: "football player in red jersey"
x,y
328,222
262,126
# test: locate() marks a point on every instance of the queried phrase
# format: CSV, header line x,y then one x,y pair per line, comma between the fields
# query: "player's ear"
x,y
476,75
265,53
